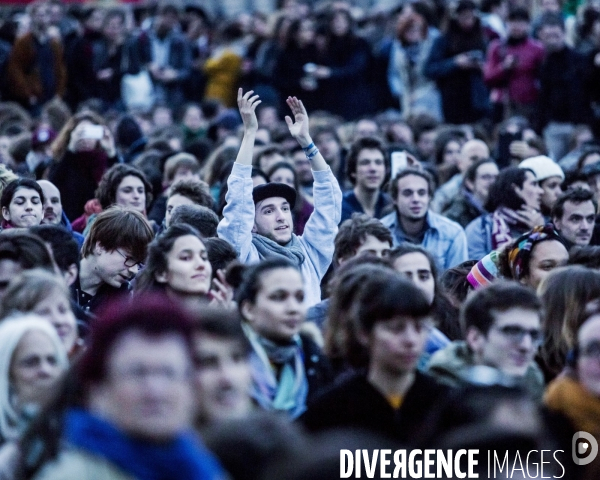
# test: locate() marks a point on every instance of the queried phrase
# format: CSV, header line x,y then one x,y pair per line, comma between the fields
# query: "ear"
x,y
161,277
99,249
475,340
469,184
6,214
247,310
71,274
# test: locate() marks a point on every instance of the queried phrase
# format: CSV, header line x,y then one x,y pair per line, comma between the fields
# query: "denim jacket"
x,y
444,239
319,232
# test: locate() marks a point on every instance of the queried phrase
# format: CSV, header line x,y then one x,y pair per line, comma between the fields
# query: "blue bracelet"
x,y
306,149
312,154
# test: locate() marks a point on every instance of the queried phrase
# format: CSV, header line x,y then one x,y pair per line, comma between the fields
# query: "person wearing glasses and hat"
x,y
258,221
503,331
111,256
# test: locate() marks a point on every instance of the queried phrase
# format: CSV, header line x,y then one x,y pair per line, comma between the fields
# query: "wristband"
x,y
306,149
312,154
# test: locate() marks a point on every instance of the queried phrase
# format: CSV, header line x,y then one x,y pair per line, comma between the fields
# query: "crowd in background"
x,y
198,282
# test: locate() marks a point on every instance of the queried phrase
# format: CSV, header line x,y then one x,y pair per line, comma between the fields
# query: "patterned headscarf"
x,y
520,252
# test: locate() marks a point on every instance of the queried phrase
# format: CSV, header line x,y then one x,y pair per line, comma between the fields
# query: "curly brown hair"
x,y
106,192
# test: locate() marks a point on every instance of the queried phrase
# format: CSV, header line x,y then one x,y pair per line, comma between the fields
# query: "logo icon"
x,y
585,448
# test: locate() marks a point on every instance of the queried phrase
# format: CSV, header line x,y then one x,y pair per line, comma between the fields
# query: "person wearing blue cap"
x,y
261,226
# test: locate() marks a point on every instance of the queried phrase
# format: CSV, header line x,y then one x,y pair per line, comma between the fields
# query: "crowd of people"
x,y
231,247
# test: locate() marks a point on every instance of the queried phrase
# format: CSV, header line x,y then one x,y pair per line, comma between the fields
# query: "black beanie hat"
x,y
274,189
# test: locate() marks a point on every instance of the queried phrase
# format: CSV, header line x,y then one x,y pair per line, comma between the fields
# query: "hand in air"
x,y
298,127
247,105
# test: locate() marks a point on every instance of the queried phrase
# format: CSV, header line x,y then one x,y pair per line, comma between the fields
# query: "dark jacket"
x,y
355,403
462,210
104,295
350,205
562,97
180,59
347,92
76,176
318,370
465,98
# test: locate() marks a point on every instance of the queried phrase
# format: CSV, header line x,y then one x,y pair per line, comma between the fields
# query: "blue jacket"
x,y
67,224
319,232
479,236
444,239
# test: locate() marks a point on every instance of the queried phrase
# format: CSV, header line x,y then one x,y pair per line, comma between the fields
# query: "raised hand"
x,y
299,127
247,105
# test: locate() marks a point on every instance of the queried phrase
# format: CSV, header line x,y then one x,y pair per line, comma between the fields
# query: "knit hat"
x,y
485,271
274,189
519,253
543,167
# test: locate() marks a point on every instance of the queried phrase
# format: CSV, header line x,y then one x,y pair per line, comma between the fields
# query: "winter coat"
x,y
356,403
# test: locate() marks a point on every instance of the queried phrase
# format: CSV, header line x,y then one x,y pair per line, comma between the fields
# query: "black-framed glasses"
x,y
130,262
516,334
591,350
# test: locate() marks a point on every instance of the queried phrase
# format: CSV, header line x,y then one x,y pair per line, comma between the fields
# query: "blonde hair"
x,y
6,176
28,289
12,331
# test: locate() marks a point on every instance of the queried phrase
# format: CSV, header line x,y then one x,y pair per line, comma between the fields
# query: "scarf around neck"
x,y
567,396
502,220
288,392
182,457
267,248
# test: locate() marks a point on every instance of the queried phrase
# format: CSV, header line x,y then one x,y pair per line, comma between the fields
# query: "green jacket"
x,y
451,366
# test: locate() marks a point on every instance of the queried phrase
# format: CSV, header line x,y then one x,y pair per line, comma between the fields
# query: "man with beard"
x,y
413,221
53,211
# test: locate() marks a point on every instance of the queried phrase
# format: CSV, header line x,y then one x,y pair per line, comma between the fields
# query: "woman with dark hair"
x,y
419,266
566,294
82,152
123,185
447,155
287,366
514,202
387,396
295,71
178,264
455,63
345,71
22,204
283,172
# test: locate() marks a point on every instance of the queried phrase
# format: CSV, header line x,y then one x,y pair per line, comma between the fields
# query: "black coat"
x,y
319,373
355,403
562,97
77,176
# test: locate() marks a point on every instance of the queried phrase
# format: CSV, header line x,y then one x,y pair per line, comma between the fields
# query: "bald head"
x,y
470,152
52,203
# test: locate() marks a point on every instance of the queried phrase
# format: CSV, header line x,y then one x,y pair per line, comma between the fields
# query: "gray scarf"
x,y
267,248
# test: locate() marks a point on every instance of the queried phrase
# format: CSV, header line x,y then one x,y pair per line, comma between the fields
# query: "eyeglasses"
x,y
130,262
591,350
516,334
141,373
